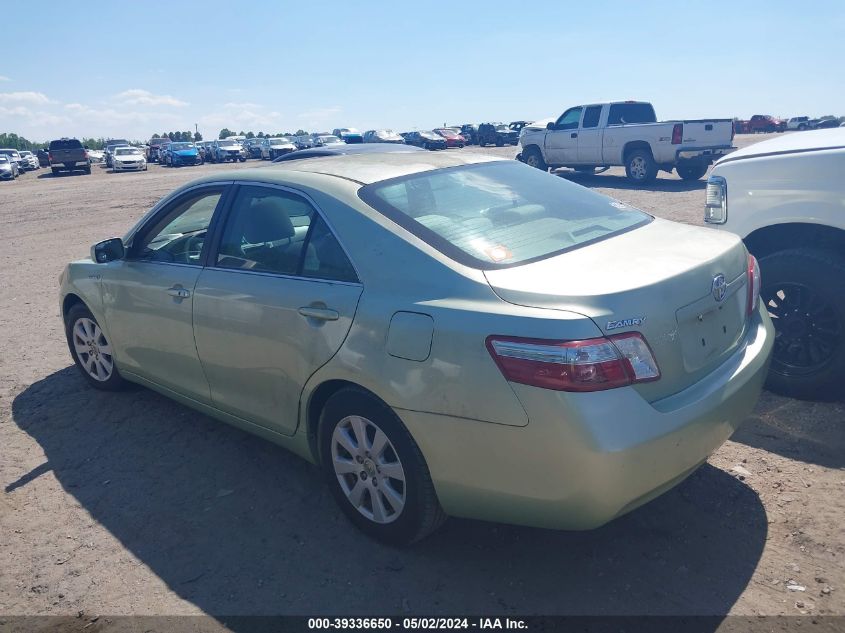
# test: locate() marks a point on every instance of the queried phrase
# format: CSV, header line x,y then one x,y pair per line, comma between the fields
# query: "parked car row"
x,y
14,163
762,123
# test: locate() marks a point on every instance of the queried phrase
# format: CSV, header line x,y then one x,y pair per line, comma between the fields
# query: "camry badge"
x,y
719,287
615,325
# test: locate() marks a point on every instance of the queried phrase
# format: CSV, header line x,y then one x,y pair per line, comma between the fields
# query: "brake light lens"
x,y
677,134
589,365
716,201
754,281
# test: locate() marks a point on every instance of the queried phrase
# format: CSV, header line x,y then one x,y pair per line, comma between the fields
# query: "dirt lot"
x,y
131,504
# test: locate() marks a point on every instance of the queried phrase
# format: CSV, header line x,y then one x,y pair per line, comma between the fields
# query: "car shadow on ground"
x,y
810,432
238,526
612,181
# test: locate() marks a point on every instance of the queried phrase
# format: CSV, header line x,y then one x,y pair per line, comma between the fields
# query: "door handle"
x,y
321,314
573,135
179,292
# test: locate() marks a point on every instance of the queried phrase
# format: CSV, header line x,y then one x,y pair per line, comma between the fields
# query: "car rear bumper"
x,y
708,154
584,459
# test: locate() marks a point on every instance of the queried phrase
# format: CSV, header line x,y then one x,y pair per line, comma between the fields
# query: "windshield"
x,y
227,143
502,128
280,141
448,133
325,140
176,146
3,159
499,214
127,151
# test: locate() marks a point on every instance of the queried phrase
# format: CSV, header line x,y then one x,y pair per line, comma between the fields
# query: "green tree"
x,y
197,137
225,132
260,135
300,133
250,135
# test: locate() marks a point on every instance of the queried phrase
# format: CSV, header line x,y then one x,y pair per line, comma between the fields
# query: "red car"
x,y
453,139
762,123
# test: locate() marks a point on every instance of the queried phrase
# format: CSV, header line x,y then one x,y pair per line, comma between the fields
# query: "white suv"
x,y
786,199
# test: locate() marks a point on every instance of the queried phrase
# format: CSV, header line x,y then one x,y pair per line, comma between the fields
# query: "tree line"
x,y
226,132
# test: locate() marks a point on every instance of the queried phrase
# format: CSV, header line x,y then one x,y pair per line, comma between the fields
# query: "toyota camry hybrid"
x,y
443,334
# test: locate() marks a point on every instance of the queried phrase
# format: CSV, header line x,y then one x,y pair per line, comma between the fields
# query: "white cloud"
x,y
137,96
32,98
243,116
320,116
5,78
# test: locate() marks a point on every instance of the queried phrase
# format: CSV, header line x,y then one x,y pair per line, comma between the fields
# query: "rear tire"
x,y
692,171
534,158
640,167
55,171
804,291
355,419
91,351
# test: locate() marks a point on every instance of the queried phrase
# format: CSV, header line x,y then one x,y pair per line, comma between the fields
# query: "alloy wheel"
x,y
92,349
638,168
807,329
368,469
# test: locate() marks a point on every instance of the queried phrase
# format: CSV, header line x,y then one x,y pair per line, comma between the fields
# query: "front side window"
x,y
269,230
499,214
569,120
180,236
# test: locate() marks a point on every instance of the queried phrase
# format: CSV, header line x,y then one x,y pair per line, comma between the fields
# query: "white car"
x,y
128,159
587,137
96,155
784,198
271,148
29,160
798,123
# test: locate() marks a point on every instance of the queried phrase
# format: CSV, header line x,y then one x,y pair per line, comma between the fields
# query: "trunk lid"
x,y
656,280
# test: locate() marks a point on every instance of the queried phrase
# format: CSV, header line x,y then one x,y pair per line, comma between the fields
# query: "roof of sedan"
x,y
369,168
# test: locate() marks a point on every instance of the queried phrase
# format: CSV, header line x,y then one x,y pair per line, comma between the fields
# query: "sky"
x,y
132,69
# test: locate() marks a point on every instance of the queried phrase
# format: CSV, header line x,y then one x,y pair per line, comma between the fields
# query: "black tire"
x,y
802,127
804,291
88,170
55,171
534,158
499,142
115,382
421,513
691,171
640,167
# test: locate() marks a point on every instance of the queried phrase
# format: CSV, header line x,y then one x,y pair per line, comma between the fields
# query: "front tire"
x,y
534,158
804,292
91,351
375,470
640,167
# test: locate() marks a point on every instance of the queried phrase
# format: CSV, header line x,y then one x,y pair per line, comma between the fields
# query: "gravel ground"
x,y
131,504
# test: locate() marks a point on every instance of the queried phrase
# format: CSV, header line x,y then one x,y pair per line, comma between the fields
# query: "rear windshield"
x,y
499,214
70,143
621,113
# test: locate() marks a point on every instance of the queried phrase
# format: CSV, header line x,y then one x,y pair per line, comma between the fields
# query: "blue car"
x,y
178,154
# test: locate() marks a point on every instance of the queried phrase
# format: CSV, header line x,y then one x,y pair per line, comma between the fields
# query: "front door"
x,y
562,141
148,296
275,304
590,137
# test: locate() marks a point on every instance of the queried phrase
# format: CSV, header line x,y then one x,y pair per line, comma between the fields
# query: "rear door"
x,y
562,142
275,304
590,136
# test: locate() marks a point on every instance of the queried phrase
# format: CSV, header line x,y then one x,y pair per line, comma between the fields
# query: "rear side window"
x,y
499,214
269,230
621,113
70,143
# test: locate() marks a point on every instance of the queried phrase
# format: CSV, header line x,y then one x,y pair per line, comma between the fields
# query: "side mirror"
x,y
550,125
108,251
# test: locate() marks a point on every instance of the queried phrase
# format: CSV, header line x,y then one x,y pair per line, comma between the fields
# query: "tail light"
x,y
677,134
589,365
49,155
754,280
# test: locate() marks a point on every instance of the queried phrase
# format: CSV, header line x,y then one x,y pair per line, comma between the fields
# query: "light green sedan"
x,y
443,334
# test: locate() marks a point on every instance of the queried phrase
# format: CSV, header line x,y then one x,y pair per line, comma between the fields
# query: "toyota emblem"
x,y
719,287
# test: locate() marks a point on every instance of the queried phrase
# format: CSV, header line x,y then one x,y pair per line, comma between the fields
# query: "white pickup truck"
x,y
626,133
784,198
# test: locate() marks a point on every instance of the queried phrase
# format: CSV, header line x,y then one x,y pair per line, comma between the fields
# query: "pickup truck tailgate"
x,y
706,133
